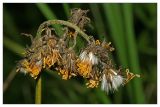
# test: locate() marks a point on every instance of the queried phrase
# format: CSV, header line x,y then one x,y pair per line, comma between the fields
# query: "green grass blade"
x,y
46,11
9,23
102,97
66,9
111,13
14,47
10,28
100,27
133,52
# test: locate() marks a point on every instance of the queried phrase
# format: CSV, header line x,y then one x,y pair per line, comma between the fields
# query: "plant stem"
x,y
38,90
66,23
13,46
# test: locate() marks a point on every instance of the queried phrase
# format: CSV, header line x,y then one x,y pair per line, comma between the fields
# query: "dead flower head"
x,y
67,67
49,51
85,62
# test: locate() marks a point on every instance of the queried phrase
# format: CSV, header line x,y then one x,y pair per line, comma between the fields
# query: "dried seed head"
x,y
92,83
51,58
94,80
89,57
79,17
64,73
32,67
85,63
111,80
84,67
67,67
23,66
35,69
93,62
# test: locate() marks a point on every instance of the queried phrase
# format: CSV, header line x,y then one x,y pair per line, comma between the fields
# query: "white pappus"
x,y
111,80
90,57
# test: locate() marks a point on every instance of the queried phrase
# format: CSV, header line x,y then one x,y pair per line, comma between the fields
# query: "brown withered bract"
x,y
79,18
67,65
130,76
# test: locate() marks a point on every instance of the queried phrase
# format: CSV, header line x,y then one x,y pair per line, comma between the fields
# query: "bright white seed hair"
x,y
112,83
83,55
91,57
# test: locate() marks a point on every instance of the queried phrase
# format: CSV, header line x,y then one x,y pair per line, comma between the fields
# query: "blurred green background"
x,y
132,29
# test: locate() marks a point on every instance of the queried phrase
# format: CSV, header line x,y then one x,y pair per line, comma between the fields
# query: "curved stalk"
x,y
62,22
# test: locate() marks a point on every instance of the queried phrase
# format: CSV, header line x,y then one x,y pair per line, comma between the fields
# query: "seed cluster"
x,y
49,51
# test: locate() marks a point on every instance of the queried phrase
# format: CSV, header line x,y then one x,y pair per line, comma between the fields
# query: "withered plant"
x,y
52,51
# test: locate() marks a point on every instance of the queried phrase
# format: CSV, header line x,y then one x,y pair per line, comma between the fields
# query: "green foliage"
x,y
132,28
